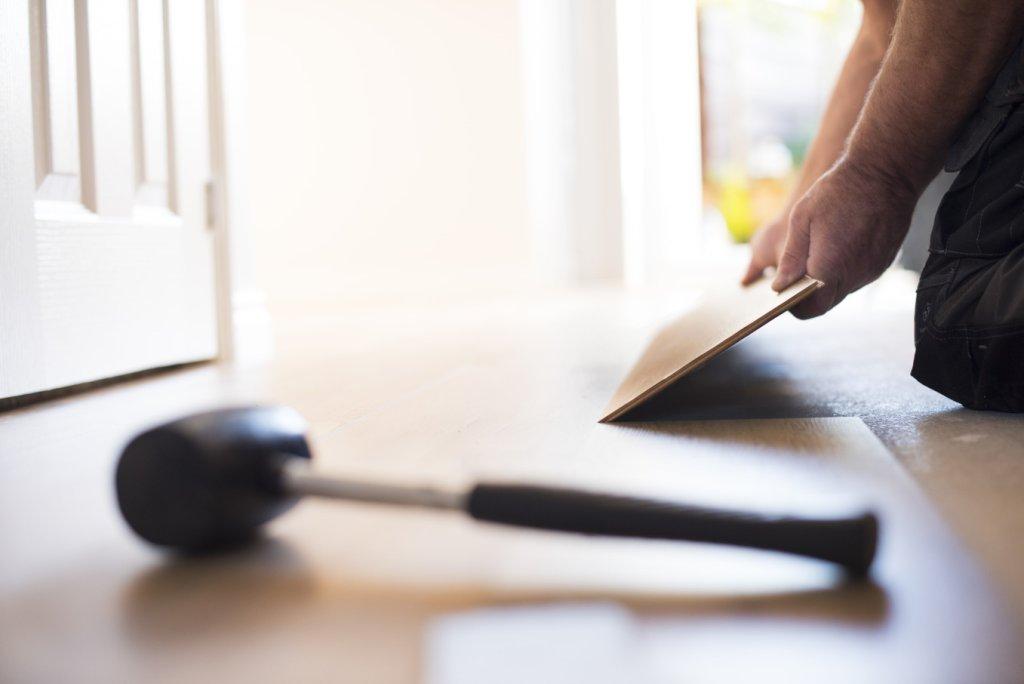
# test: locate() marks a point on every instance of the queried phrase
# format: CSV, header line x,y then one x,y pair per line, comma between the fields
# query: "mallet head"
x,y
211,479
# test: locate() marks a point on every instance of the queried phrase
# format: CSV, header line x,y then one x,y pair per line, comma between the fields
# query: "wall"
x,y
386,148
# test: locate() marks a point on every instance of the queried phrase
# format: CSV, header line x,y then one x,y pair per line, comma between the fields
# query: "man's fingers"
x,y
755,270
793,264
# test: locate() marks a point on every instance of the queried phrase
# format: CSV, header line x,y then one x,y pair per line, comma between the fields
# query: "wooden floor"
x,y
800,417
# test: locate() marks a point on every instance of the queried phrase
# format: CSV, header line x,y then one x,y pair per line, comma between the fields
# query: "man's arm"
x,y
849,225
859,69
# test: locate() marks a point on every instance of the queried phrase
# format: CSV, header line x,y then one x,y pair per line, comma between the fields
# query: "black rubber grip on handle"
x,y
849,542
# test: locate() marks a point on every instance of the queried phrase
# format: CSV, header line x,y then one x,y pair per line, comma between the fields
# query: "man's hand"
x,y
845,231
848,226
859,70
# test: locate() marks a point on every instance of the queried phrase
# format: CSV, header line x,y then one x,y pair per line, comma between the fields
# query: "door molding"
x,y
244,328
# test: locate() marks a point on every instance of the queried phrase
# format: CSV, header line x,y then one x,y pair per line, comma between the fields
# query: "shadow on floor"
x,y
748,380
247,591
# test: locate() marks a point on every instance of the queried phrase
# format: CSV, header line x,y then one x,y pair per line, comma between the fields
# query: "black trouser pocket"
x,y
969,331
980,373
983,374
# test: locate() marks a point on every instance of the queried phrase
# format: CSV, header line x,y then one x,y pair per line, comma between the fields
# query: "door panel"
x,y
149,74
106,259
55,95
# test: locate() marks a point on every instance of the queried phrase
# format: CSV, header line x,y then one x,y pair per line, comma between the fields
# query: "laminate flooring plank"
x,y
691,340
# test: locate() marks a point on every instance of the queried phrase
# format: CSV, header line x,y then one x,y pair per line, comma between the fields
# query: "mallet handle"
x,y
298,479
849,542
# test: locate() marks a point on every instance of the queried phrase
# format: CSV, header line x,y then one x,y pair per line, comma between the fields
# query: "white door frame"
x,y
244,331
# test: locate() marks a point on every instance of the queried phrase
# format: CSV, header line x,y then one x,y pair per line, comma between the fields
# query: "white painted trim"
x,y
572,141
659,114
244,325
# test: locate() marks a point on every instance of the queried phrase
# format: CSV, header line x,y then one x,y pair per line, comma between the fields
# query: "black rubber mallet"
x,y
213,479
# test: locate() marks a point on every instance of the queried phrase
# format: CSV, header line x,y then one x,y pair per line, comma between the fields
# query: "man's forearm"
x,y
942,58
844,106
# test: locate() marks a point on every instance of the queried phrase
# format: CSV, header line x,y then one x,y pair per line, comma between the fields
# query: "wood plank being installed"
x,y
690,341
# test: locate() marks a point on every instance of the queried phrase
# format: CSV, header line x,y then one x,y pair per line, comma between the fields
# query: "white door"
x,y
106,255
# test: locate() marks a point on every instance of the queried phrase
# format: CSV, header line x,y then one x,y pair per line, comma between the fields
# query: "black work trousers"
x,y
969,320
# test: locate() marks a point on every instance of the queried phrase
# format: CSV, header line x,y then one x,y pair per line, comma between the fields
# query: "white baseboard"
x,y
251,336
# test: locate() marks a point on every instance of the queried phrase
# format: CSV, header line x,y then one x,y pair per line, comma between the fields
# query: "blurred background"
x,y
414,149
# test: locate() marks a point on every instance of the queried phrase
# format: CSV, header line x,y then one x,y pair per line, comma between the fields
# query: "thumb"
x,y
793,264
